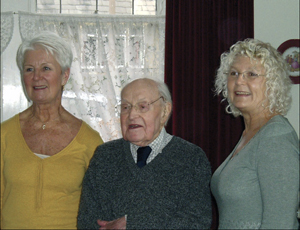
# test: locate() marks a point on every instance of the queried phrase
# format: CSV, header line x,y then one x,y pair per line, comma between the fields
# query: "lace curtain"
x,y
7,27
108,51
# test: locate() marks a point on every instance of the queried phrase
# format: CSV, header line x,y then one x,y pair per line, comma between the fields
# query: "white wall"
x,y
276,21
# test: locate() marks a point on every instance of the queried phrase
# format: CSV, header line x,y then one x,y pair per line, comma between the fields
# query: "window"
x,y
109,48
120,7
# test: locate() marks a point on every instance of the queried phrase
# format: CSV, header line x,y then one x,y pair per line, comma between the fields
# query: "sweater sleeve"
x,y
278,173
90,203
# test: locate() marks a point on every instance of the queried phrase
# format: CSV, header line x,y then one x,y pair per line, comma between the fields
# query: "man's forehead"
x,y
138,95
144,83
141,88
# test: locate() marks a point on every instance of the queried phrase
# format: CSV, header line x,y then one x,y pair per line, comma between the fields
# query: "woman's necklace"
x,y
44,125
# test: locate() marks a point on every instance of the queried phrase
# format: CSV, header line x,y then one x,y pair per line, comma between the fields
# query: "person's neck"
x,y
46,114
254,122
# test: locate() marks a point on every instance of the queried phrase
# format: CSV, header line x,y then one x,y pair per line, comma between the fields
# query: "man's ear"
x,y
166,111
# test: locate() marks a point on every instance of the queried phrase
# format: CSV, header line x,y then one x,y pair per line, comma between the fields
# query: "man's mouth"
x,y
134,126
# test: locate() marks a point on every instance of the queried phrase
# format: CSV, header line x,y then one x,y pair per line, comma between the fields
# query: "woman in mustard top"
x,y
45,150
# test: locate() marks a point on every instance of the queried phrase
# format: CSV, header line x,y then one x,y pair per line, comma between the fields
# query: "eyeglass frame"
x,y
237,74
135,106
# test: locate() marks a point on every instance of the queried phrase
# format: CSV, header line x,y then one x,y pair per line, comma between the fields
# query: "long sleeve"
x,y
95,201
89,203
2,173
278,174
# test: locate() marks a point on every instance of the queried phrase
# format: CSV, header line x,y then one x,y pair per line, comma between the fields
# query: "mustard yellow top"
x,y
42,193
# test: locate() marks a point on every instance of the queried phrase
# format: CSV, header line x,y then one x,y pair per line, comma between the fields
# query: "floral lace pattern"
x,y
108,51
7,27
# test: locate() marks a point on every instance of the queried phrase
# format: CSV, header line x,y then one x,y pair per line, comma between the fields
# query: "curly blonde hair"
x,y
278,83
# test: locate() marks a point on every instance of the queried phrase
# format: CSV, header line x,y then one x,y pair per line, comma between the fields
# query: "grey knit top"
x,y
258,188
171,192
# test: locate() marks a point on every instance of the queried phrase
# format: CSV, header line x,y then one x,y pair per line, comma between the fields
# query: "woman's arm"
x,y
278,173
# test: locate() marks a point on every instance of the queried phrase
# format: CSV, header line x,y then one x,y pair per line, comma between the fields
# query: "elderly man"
x,y
148,179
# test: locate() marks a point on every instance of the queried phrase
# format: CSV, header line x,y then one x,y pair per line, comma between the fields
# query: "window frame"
x,y
111,10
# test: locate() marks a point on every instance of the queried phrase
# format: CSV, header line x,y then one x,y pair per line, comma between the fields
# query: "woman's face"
x,y
247,91
43,77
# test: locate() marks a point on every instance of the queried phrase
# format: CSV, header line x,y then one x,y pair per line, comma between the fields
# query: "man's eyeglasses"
x,y
141,107
247,75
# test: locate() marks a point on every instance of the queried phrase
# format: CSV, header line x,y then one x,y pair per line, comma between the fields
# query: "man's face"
x,y
142,128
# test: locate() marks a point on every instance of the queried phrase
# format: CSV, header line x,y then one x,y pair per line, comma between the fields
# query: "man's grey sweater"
x,y
171,192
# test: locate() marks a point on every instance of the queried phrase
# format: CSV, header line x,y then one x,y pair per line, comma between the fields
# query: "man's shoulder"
x,y
114,144
187,153
181,143
112,148
184,148
109,151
